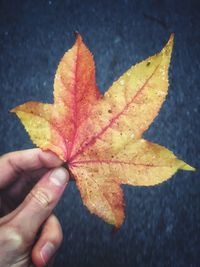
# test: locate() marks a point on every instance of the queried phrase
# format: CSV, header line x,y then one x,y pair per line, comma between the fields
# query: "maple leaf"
x,y
100,137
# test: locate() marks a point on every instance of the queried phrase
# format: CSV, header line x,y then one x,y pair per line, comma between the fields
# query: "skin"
x,y
31,184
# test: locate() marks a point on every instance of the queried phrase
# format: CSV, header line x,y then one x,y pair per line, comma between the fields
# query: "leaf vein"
x,y
113,120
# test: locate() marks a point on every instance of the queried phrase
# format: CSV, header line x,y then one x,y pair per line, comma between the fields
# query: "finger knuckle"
x,y
41,196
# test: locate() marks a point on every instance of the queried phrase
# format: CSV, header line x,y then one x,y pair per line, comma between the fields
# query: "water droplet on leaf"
x,y
121,82
132,135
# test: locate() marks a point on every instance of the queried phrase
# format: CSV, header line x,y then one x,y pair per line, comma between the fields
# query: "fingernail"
x,y
47,252
59,176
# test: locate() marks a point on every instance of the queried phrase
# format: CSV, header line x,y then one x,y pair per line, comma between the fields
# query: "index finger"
x,y
15,163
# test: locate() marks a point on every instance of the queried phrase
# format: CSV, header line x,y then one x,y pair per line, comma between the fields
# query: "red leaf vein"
x,y
113,120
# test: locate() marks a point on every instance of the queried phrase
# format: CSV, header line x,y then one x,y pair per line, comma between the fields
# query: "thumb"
x,y
40,202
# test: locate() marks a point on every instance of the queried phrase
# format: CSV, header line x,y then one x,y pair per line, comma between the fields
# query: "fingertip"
x,y
59,176
41,257
47,245
49,159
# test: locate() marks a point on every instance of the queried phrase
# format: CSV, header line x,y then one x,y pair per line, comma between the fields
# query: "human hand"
x,y
31,184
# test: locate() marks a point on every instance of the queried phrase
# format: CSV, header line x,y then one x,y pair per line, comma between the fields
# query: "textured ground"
x,y
162,226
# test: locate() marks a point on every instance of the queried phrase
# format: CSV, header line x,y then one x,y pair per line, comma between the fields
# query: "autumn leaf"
x,y
100,137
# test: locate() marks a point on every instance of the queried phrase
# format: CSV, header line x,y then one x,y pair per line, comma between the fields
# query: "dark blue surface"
x,y
162,226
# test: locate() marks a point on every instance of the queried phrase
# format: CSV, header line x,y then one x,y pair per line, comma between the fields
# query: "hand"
x,y
31,183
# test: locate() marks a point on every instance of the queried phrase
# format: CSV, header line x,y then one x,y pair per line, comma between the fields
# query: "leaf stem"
x,y
71,177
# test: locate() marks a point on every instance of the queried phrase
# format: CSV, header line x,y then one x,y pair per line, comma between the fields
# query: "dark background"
x,y
162,225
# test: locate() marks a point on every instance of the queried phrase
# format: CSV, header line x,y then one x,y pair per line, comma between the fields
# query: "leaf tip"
x,y
167,50
77,36
170,42
171,38
187,167
115,229
13,110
